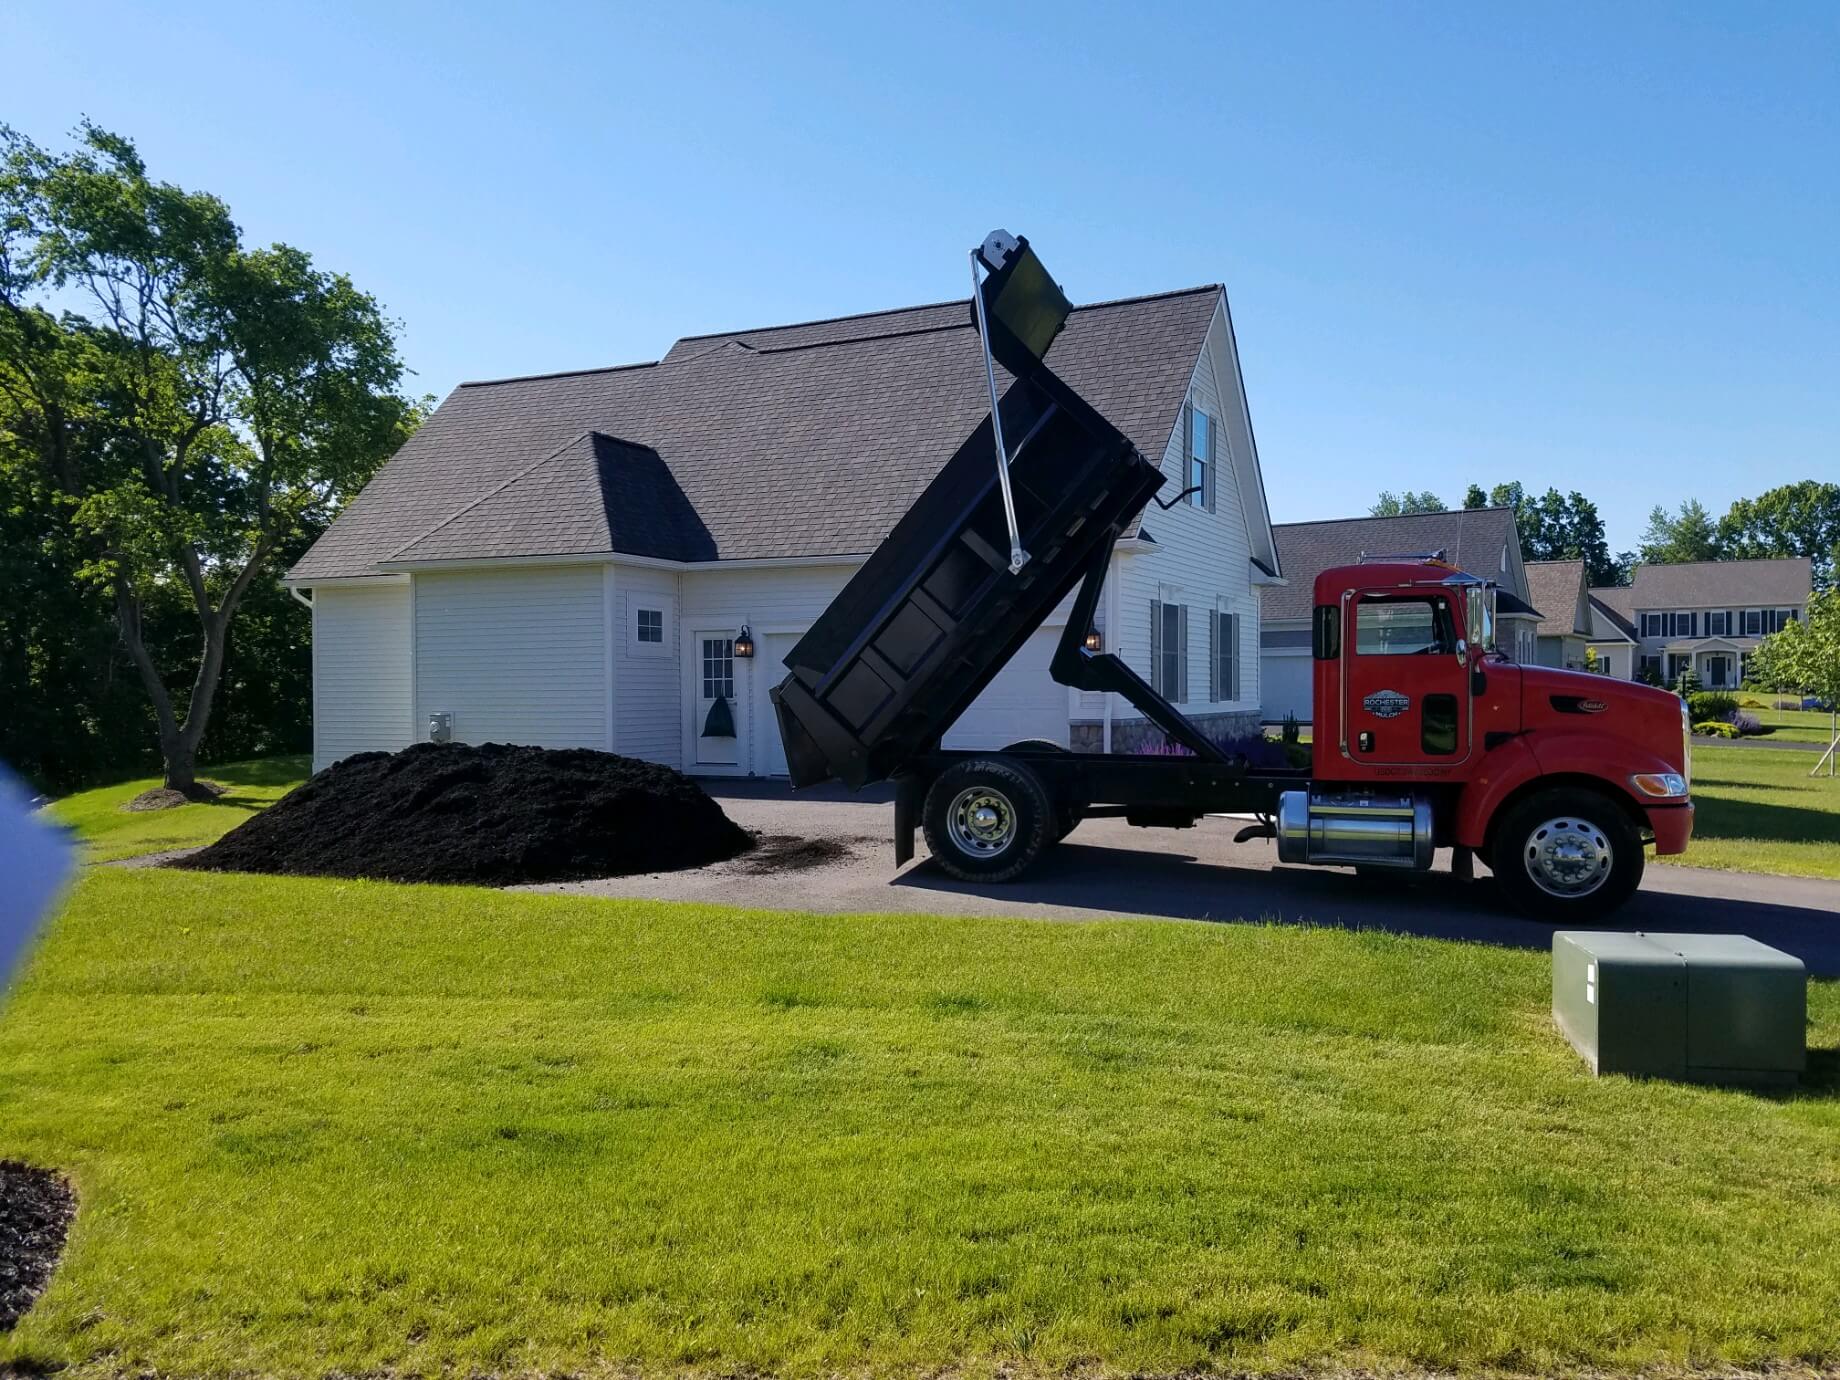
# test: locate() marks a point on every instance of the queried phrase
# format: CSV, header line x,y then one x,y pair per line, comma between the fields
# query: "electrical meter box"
x,y
1704,1008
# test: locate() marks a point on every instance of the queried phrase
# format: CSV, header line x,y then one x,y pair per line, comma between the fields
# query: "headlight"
x,y
1660,785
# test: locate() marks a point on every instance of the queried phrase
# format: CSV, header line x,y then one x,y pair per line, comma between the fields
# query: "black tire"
x,y
1567,856
1023,827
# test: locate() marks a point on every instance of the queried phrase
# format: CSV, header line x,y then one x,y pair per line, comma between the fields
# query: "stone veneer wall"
x,y
1134,735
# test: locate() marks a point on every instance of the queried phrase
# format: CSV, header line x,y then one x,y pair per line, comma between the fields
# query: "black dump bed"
x,y
935,612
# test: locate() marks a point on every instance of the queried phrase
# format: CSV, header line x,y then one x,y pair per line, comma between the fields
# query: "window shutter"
x,y
1232,631
1213,656
1181,694
1156,647
1188,442
1207,475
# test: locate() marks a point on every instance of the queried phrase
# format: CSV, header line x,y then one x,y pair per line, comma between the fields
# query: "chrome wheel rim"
x,y
982,822
1568,857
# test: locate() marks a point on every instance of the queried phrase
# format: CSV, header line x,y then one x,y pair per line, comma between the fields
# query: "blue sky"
x,y
1596,246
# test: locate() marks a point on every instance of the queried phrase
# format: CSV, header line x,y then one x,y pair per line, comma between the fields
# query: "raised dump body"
x,y
936,612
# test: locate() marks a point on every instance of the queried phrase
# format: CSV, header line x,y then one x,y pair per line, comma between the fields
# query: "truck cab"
x,y
1557,778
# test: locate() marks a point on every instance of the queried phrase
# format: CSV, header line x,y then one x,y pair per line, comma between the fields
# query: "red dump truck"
x,y
1425,736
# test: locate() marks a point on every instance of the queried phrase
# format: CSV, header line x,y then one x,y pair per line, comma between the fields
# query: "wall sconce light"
x,y
744,644
1094,642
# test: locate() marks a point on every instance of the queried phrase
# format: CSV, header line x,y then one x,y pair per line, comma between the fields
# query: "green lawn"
x,y
109,832
1758,810
324,1126
1795,725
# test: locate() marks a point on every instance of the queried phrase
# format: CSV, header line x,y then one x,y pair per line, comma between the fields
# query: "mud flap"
x,y
909,800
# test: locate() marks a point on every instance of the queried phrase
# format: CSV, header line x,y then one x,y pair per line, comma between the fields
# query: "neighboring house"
x,y
1558,590
1613,636
1482,541
1709,615
570,560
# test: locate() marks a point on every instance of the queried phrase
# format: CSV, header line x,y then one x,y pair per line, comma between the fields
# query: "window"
x,y
1223,659
1606,663
1718,623
718,668
650,625
1201,428
1403,627
1651,625
1753,622
1169,650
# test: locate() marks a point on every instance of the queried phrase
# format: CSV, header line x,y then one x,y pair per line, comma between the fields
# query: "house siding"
x,y
1201,559
361,670
515,655
646,683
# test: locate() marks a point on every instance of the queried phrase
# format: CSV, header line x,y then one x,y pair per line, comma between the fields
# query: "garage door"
x,y
769,671
1285,679
1022,702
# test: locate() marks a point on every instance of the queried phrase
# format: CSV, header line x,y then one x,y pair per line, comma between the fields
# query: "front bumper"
x,y
1672,826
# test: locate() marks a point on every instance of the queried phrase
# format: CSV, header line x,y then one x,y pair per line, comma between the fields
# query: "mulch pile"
x,y
35,1211
166,798
488,814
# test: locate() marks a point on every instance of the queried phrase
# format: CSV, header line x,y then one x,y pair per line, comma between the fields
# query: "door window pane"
x,y
718,668
1402,627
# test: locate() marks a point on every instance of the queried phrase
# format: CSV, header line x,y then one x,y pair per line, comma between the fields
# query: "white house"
x,y
1483,541
1707,615
569,560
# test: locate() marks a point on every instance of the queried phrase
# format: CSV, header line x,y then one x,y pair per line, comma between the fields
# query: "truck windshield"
x,y
1403,627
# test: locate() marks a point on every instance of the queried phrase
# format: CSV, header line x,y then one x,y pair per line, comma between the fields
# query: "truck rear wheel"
x,y
987,819
1567,855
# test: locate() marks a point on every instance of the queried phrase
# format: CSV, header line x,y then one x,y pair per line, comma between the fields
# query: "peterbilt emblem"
x,y
1593,706
1386,704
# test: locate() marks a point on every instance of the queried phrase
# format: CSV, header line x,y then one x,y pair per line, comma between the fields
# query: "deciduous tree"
x,y
185,406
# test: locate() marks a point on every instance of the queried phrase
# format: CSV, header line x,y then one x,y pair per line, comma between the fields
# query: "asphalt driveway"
x,y
828,851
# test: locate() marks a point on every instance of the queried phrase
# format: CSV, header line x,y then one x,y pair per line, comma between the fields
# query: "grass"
x,y
110,832
326,1126
1796,725
1758,810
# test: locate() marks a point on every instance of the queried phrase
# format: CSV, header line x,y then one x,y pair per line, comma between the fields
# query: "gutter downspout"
x,y
300,598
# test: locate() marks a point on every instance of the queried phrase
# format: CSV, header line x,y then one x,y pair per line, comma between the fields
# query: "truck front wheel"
x,y
987,819
1567,855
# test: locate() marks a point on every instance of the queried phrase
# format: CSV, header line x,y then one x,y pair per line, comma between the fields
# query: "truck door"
x,y
1405,690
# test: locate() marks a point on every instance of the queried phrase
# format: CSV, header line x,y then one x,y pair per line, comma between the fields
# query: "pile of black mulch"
x,y
489,814
35,1211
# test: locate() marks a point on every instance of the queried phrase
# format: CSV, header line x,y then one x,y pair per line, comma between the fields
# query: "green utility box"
x,y
1706,1008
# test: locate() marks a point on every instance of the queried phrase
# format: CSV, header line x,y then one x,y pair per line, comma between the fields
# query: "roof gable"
x,y
1557,590
793,441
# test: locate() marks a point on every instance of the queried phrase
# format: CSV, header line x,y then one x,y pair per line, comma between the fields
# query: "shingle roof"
x,y
1472,538
799,440
1723,584
1610,613
1553,588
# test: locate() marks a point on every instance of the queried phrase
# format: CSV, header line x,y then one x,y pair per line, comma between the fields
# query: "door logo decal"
x,y
1386,704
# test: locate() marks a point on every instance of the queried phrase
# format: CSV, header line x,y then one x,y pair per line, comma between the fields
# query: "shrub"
x,y
1291,731
1747,725
1715,728
1751,702
1711,704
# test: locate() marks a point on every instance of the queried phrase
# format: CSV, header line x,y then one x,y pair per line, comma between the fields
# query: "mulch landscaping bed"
x,y
35,1211
488,815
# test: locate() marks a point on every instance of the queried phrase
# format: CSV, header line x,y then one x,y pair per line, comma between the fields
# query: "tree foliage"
x,y
1687,535
1791,520
1555,527
177,409
1391,504
1805,655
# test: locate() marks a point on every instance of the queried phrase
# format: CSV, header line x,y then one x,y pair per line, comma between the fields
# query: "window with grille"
x,y
1224,661
718,668
1201,429
650,625
1169,650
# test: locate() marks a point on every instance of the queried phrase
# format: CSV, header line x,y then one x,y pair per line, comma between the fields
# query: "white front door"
x,y
717,722
769,671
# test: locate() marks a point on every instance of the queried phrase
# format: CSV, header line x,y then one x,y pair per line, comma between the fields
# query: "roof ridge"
x,y
495,490
1732,560
1395,517
930,306
560,374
